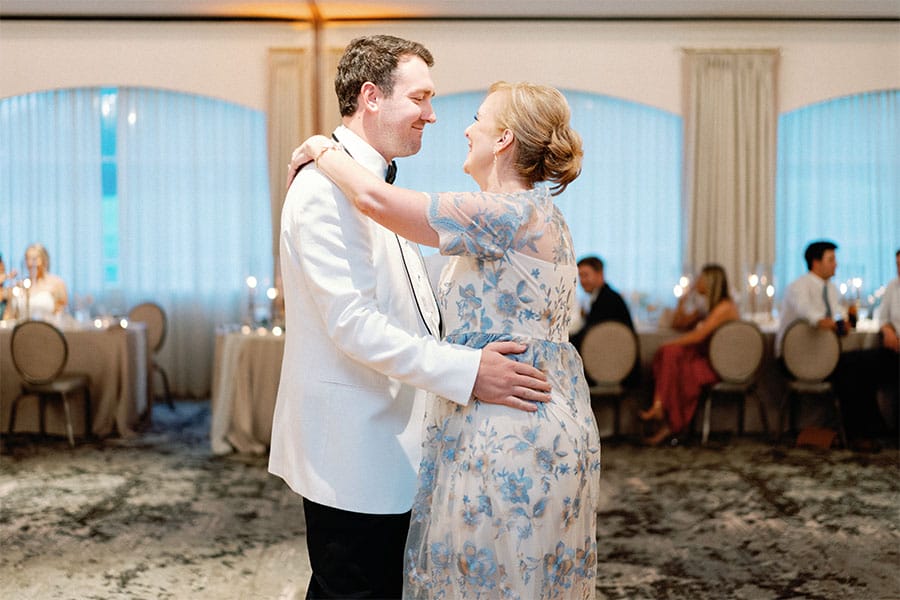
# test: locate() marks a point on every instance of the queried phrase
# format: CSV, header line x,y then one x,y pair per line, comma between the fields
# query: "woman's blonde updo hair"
x,y
547,148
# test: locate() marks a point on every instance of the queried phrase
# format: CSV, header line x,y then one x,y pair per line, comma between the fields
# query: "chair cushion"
x,y
607,389
729,387
64,384
810,387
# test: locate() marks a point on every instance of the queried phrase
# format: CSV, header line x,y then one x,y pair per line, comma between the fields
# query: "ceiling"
x,y
329,10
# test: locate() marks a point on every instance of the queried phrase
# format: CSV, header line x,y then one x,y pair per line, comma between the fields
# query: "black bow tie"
x,y
391,174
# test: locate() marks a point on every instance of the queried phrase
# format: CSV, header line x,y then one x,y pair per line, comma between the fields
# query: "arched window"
x,y
141,194
839,178
625,206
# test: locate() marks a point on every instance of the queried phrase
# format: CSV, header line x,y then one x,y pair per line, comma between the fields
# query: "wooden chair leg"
x,y
69,432
42,415
616,416
12,415
840,420
782,413
707,408
763,417
88,421
165,378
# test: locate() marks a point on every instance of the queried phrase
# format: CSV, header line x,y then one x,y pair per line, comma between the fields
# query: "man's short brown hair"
x,y
372,58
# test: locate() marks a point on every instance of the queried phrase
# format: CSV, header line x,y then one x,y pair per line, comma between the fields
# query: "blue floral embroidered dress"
x,y
506,500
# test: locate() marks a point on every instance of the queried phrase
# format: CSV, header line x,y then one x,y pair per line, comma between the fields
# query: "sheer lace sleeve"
x,y
485,225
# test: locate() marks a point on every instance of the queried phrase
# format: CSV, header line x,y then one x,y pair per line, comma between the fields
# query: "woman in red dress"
x,y
681,366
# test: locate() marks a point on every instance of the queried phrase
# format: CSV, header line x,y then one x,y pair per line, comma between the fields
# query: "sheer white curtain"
x,y
839,179
195,217
730,148
185,221
625,206
50,183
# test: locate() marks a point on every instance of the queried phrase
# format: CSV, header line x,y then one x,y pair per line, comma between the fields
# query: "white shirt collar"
x,y
361,151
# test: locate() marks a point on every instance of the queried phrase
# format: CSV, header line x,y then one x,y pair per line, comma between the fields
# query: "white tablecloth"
x,y
246,372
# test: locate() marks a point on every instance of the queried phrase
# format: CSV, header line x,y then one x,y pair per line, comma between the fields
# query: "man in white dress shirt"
x,y
812,297
889,358
815,299
362,339
889,312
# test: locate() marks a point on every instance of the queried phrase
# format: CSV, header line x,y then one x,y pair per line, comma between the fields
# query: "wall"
x,y
639,61
224,60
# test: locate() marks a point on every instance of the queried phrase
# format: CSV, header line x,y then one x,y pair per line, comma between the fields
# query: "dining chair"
x,y
736,352
40,352
609,351
810,355
154,317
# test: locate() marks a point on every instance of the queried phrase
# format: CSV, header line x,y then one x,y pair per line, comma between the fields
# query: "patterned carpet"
x,y
157,516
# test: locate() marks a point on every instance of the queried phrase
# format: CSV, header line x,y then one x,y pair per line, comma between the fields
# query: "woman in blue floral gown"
x,y
506,499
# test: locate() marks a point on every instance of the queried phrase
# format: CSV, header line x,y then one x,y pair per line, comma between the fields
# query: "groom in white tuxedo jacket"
x,y
362,326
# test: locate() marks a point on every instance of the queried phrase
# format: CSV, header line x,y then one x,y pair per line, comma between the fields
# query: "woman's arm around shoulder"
x,y
401,210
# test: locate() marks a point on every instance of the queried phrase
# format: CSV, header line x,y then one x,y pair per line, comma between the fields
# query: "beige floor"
x,y
159,517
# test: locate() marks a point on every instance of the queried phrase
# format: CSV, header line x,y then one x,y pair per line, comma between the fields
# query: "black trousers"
x,y
857,379
354,555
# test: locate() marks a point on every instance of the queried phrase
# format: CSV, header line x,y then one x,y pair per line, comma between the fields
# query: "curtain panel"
x,y
291,114
193,218
839,179
141,194
730,145
50,185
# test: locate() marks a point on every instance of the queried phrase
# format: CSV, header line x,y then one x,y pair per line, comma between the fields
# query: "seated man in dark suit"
x,y
606,305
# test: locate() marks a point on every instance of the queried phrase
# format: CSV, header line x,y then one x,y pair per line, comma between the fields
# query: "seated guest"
x,y
606,304
812,297
815,299
47,294
681,366
889,356
690,310
4,291
889,312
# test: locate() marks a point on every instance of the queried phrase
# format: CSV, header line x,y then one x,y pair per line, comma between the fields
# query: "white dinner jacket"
x,y
347,429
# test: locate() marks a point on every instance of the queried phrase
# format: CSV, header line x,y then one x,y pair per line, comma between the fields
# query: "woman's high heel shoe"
x,y
659,437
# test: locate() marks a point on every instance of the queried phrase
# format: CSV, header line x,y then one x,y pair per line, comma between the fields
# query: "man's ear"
x,y
369,95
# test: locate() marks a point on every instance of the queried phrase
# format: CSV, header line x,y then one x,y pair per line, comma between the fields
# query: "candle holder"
x,y
250,316
759,294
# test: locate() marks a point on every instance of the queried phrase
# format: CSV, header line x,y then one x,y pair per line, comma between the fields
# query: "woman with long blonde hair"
x,y
681,366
